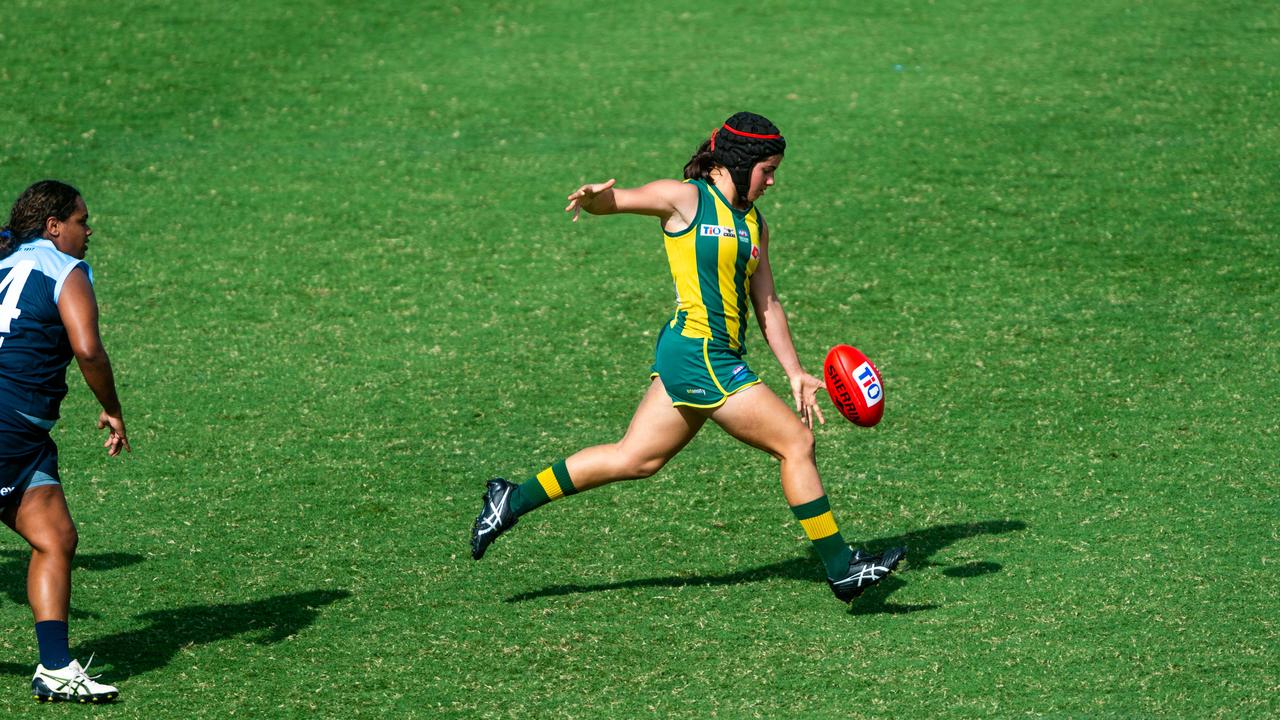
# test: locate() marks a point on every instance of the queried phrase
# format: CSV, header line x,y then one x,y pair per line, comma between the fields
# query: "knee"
x,y
799,445
647,467
637,467
60,539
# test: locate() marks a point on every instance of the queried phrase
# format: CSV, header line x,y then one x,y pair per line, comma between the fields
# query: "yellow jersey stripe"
x,y
682,254
726,271
753,227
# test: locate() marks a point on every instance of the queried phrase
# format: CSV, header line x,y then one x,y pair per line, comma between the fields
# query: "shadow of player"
x,y
167,631
13,573
922,544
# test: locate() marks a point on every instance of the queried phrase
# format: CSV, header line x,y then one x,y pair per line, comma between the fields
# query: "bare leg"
x,y
657,432
42,519
759,418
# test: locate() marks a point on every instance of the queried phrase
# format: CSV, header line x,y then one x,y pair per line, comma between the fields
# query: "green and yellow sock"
x,y
542,488
819,524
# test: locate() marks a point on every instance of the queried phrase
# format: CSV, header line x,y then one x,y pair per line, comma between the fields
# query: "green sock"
x,y
818,523
542,488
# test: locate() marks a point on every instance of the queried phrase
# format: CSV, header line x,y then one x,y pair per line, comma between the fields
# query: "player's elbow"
x,y
92,354
765,305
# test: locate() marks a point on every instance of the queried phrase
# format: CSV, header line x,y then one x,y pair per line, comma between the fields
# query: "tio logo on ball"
x,y
867,383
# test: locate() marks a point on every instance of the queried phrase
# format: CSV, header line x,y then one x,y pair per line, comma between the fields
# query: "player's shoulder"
x,y
666,196
675,188
43,259
759,215
686,194
46,257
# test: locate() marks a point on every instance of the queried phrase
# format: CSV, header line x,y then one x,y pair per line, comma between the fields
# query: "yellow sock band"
x,y
547,479
820,527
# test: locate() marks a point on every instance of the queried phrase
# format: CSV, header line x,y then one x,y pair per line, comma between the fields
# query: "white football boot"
x,y
70,684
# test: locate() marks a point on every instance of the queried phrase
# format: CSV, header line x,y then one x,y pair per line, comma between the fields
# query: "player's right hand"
x,y
117,438
585,196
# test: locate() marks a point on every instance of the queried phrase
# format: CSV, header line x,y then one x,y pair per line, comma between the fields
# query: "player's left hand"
x,y
804,388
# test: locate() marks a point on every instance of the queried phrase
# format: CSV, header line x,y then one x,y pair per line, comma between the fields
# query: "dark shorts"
x,y
696,373
28,456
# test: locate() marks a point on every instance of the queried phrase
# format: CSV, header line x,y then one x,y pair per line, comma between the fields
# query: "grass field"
x,y
340,294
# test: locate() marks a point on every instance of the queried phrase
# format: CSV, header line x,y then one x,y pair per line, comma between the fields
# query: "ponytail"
x,y
699,166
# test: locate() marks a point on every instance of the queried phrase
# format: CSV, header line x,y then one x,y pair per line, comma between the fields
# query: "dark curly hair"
x,y
742,141
46,199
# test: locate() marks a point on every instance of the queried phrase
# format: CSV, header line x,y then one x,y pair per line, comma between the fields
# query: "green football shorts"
x,y
696,373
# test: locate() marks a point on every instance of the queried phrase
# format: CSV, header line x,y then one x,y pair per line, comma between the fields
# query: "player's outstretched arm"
x,y
777,333
79,311
660,198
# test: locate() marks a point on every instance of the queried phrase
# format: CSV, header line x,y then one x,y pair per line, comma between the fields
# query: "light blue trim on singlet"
x,y
39,422
39,478
50,261
64,271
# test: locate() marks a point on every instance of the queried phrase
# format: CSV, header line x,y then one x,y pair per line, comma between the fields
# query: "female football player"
x,y
717,244
48,314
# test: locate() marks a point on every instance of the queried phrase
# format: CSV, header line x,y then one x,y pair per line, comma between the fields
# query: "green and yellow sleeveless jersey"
x,y
712,262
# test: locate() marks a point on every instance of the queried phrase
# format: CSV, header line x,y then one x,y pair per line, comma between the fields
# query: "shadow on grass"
x,y
167,631
922,545
800,568
13,573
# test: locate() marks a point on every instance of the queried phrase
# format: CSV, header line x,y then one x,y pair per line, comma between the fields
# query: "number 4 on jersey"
x,y
10,291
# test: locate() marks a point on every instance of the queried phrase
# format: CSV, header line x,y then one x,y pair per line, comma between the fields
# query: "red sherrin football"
x,y
854,385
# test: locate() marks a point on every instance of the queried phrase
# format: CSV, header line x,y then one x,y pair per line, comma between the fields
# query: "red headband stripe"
x,y
774,136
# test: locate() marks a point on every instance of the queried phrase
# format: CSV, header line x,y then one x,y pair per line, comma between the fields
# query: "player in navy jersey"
x,y
717,244
48,315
